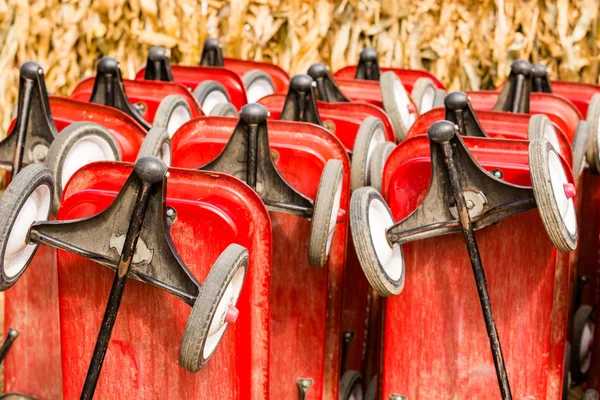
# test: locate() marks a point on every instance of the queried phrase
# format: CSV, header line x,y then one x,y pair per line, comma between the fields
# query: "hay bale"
x,y
468,44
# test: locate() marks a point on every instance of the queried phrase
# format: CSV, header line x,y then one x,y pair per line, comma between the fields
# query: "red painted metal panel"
x,y
192,76
280,77
150,93
407,76
344,118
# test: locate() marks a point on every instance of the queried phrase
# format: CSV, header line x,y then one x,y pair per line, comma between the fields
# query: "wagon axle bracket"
x,y
158,66
109,90
301,102
459,111
248,157
541,83
368,66
488,199
212,54
327,89
154,259
34,129
516,92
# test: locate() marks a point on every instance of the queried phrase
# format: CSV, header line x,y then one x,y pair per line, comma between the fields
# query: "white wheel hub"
x,y
218,323
552,137
558,179
165,154
585,351
378,137
178,117
17,251
333,217
258,89
390,258
215,97
86,150
403,103
427,100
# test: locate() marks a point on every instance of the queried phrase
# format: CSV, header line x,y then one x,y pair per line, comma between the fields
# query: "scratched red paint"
x,y
435,342
305,301
407,76
150,93
192,76
346,117
560,110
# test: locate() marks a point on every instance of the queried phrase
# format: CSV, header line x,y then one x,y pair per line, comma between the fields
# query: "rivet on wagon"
x,y
569,190
341,216
232,315
411,108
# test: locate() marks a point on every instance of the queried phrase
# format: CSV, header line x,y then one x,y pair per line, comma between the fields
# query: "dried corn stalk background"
x,y
468,44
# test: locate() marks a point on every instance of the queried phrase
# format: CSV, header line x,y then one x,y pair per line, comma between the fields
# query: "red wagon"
x,y
292,169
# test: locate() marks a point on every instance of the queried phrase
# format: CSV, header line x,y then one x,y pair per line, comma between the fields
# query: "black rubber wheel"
x,y
369,218
77,145
579,147
379,158
582,322
220,292
173,111
258,85
157,143
26,200
372,389
556,210
324,219
351,386
224,110
209,94
593,142
369,136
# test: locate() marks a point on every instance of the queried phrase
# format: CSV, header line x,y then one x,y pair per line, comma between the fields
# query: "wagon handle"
x,y
442,133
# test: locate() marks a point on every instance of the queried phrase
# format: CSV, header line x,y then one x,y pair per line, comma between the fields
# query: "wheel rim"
x,y
212,99
356,393
585,353
550,134
259,89
86,150
427,100
333,216
18,252
558,179
218,324
402,103
390,258
165,154
178,117
378,137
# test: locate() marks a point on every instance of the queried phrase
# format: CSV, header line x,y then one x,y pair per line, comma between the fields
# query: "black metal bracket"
x,y
460,112
516,92
327,89
541,82
368,65
247,156
155,260
109,90
212,54
488,198
304,385
158,66
34,129
11,336
301,102
347,338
